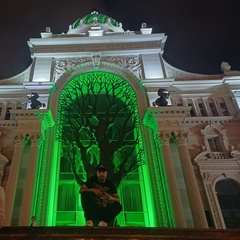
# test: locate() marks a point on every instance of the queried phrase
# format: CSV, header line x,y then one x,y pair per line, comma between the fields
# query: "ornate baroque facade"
x,y
191,146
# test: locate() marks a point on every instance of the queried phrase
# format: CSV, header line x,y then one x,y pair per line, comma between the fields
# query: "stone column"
x,y
196,107
31,178
207,107
13,178
194,196
172,181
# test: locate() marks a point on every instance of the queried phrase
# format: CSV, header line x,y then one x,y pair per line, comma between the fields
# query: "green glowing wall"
x,y
135,187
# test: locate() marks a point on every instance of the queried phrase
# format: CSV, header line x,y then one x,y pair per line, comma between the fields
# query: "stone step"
x,y
112,233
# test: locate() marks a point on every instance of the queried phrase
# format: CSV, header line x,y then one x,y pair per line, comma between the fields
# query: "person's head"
x,y
33,218
101,172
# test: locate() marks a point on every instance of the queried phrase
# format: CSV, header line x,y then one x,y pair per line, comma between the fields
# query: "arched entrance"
x,y
98,121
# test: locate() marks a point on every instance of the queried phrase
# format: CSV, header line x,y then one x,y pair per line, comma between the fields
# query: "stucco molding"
x,y
62,65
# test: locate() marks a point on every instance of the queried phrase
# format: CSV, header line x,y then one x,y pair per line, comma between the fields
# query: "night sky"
x,y
201,34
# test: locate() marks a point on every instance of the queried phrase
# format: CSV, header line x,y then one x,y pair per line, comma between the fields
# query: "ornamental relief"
x,y
206,176
213,206
132,63
213,129
209,177
62,65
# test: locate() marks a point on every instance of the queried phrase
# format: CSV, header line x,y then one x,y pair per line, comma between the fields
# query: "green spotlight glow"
x,y
98,120
166,217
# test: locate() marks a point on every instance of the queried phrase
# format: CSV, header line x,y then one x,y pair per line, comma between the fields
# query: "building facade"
x,y
99,93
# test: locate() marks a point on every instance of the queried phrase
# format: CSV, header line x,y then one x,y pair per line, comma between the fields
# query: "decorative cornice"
x,y
178,112
158,118
96,47
9,124
216,120
32,121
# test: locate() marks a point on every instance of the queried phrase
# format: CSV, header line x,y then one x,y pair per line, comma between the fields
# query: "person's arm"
x,y
84,188
111,197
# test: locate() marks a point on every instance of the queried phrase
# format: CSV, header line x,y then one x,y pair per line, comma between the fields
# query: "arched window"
x,y
212,107
228,193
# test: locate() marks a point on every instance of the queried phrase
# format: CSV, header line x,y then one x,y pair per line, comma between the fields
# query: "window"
x,y
223,107
8,114
212,107
228,193
192,111
214,144
202,108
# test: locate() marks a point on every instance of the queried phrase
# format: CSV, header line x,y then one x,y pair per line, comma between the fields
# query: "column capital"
x,y
181,137
36,139
164,137
19,140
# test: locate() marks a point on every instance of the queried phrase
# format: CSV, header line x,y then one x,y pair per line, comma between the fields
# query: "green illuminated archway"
x,y
99,122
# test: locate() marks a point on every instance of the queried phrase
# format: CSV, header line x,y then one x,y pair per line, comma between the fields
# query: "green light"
x,y
51,217
98,121
150,121
166,189
166,217
90,19
150,217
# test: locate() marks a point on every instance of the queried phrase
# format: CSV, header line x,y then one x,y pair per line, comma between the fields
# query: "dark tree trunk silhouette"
x,y
99,115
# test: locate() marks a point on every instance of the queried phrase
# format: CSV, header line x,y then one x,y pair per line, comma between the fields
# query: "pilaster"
x,y
172,181
31,179
194,196
33,124
13,177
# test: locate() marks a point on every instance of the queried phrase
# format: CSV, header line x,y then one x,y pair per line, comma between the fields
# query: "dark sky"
x,y
201,34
